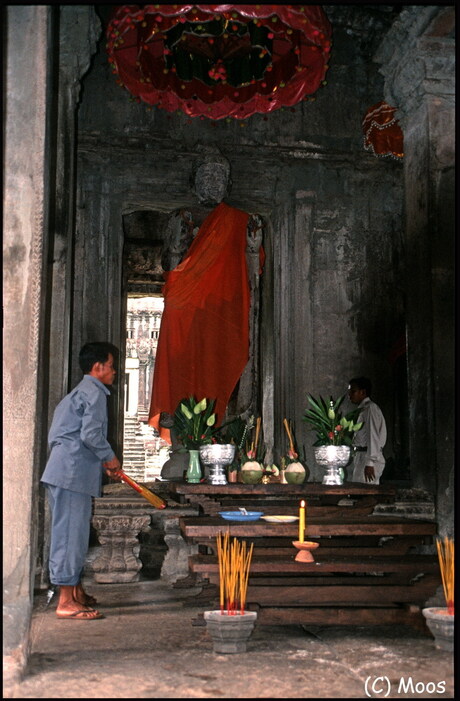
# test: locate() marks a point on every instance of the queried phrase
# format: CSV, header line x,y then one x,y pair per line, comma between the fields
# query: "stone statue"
x,y
211,182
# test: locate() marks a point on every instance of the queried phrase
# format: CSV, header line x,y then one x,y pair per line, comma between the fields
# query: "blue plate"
x,y
238,516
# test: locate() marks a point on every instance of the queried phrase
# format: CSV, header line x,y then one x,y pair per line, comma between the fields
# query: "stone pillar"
x,y
118,559
293,313
418,62
28,53
79,28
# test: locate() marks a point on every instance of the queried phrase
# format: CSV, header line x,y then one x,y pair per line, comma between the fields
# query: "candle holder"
x,y
304,554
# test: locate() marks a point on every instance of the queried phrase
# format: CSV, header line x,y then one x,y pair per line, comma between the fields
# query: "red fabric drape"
x,y
203,345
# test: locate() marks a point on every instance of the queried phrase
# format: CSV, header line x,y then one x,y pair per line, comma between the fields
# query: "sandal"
x,y
81,615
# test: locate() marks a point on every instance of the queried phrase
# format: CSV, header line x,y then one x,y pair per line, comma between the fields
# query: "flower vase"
x,y
193,474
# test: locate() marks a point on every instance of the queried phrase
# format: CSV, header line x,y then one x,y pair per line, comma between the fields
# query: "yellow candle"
x,y
301,521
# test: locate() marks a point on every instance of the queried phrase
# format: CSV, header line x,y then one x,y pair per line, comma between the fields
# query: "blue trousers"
x,y
70,526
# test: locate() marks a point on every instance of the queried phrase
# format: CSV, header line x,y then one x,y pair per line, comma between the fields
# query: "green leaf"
x,y
313,413
320,409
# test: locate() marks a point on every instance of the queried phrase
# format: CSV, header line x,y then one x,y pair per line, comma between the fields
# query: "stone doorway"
x,y
144,452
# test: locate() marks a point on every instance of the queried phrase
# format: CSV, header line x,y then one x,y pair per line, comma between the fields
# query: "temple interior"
x,y
357,237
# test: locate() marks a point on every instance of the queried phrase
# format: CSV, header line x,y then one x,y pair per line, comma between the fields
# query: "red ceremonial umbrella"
x,y
382,133
219,60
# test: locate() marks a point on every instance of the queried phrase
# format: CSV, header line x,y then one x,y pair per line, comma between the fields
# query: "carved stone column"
x,y
418,62
246,402
175,563
29,45
118,560
292,322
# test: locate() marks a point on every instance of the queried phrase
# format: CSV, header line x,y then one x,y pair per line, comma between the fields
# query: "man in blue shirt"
x,y
73,475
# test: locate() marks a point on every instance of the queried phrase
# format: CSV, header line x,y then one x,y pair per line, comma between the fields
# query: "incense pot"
x,y
305,548
441,625
230,631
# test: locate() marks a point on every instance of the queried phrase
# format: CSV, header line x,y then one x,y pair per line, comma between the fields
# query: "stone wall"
x,y
332,302
41,84
418,61
25,248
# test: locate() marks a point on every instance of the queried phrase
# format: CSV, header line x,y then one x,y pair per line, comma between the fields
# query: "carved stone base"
x,y
175,563
118,560
120,555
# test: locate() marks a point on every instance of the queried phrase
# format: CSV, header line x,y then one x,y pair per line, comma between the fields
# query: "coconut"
x,y
295,473
251,472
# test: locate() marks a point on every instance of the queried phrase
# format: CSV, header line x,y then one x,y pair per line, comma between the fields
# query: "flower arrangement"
x,y
292,453
195,425
194,421
293,471
331,427
251,448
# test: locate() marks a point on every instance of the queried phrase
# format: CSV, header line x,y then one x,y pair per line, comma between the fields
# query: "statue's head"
x,y
211,175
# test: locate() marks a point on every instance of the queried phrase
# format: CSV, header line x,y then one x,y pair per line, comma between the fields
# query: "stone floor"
x,y
147,647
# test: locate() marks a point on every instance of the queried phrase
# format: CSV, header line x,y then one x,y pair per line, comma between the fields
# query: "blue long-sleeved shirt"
x,y
78,439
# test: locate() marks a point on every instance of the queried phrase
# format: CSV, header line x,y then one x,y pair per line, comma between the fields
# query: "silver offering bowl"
x,y
333,458
216,456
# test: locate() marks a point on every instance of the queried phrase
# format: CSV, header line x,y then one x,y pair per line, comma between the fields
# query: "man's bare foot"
x,y
82,597
69,607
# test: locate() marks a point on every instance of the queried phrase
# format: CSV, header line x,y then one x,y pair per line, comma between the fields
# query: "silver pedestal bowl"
x,y
333,458
216,456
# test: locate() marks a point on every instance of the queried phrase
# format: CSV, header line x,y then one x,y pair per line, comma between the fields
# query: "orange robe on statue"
x,y
203,346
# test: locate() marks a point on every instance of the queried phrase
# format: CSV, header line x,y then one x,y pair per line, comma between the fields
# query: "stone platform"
x,y
147,647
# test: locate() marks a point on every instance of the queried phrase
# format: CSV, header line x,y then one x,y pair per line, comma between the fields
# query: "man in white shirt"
x,y
368,443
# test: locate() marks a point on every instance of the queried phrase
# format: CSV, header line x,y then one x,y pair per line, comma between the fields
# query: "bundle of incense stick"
x,y
255,442
234,562
446,564
288,431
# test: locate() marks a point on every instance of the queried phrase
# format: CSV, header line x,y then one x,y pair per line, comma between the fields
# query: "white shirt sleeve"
x,y
376,435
